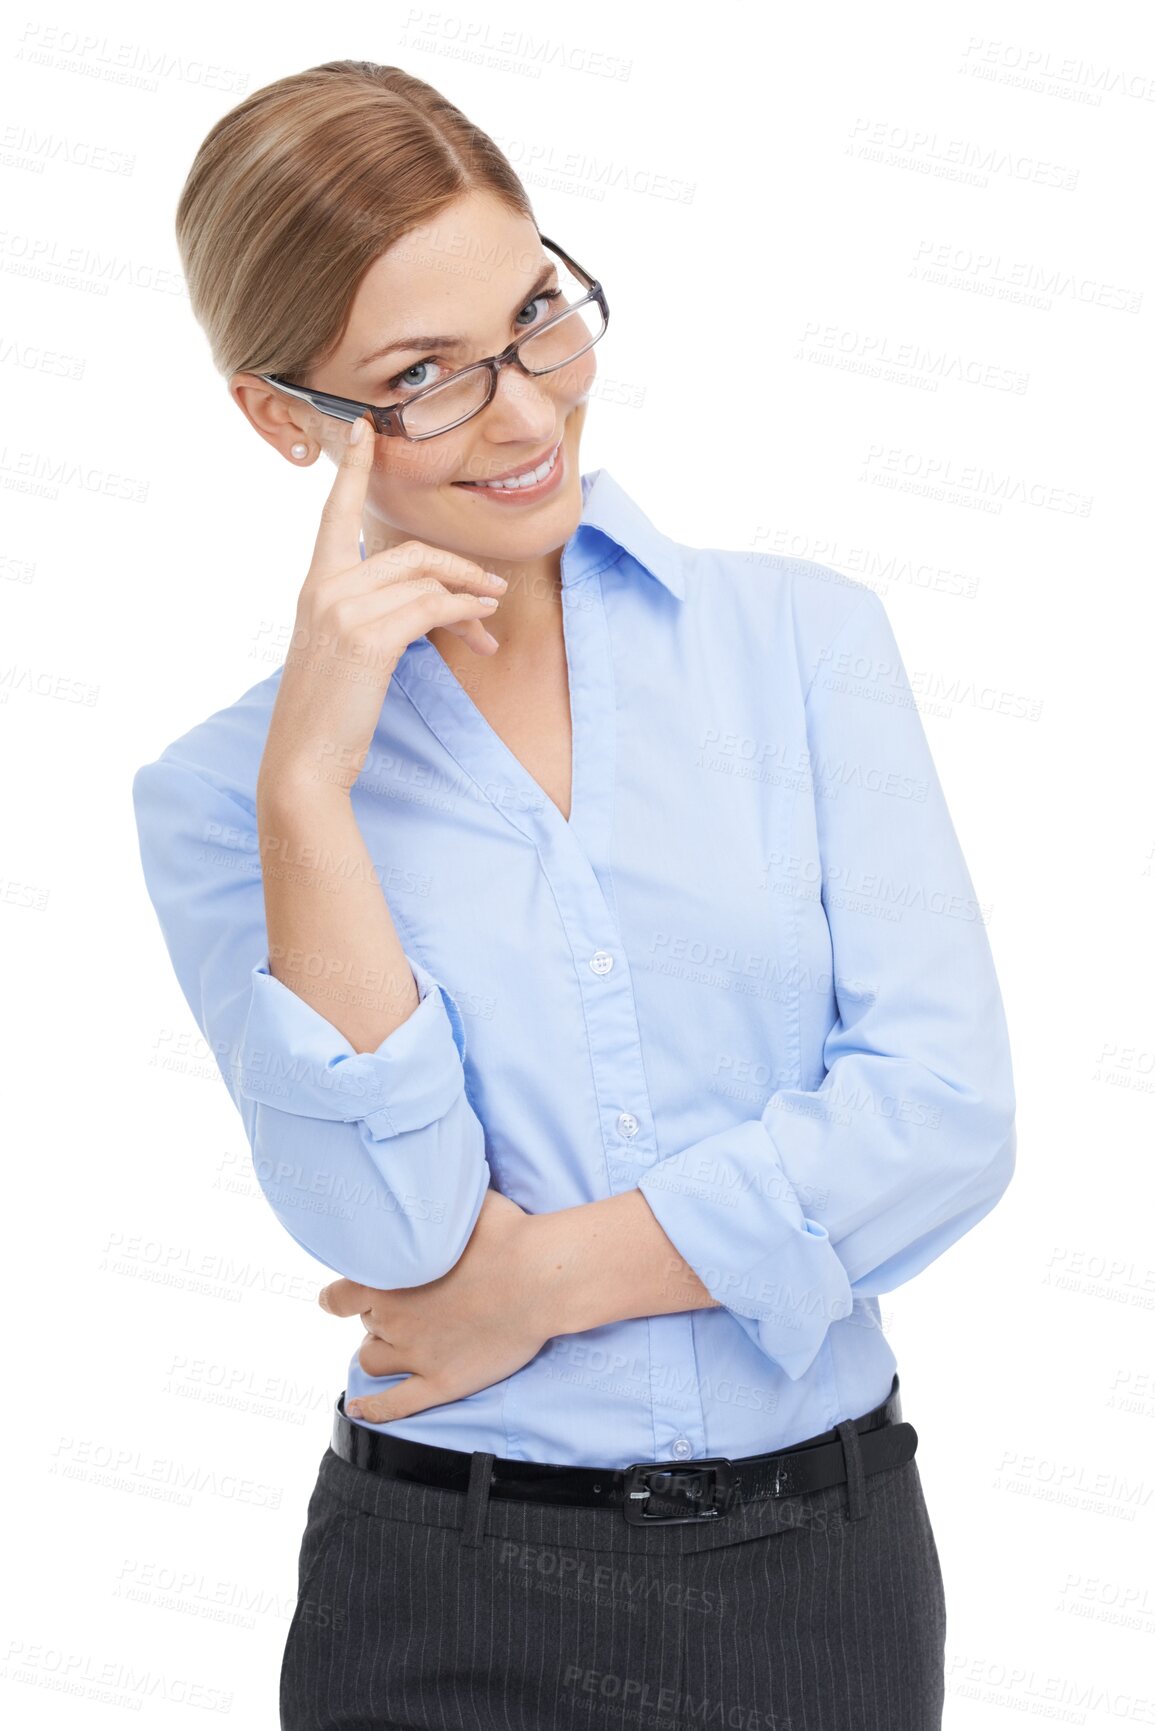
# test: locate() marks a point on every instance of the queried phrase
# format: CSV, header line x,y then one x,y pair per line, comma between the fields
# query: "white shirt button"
x,y
682,1449
628,1125
601,961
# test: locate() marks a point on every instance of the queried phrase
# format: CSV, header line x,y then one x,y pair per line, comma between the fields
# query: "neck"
x,y
530,610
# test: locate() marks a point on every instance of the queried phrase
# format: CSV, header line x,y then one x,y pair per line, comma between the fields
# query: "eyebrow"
x,y
444,342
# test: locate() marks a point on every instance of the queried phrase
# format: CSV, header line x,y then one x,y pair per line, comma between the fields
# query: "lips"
x,y
515,474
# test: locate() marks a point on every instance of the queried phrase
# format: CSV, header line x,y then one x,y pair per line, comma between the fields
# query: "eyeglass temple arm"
x,y
341,407
571,262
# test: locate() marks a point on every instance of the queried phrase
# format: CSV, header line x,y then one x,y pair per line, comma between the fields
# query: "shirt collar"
x,y
609,512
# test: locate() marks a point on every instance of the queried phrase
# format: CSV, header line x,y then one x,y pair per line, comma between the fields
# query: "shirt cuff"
x,y
729,1210
293,1058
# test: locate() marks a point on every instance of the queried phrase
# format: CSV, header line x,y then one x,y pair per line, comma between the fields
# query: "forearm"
x,y
608,1260
331,935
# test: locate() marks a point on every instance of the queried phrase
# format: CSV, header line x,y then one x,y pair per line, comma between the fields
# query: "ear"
x,y
281,420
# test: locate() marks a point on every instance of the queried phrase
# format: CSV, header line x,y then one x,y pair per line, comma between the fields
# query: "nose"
x,y
523,407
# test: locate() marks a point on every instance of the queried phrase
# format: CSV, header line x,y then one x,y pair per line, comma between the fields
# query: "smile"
x,y
517,483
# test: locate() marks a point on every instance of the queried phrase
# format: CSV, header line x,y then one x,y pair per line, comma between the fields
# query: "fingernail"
x,y
488,600
502,582
356,428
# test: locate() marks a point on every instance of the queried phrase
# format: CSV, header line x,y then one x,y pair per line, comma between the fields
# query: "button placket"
x,y
574,857
679,1421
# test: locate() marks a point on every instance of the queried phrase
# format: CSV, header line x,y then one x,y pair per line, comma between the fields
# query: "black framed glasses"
x,y
582,318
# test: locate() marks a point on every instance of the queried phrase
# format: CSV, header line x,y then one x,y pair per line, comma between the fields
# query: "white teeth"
x,y
528,480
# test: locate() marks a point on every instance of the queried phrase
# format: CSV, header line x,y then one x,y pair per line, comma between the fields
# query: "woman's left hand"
x,y
474,1326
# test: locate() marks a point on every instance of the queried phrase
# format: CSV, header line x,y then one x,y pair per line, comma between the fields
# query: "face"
x,y
475,273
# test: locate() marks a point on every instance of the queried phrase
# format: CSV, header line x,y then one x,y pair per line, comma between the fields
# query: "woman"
x,y
583,936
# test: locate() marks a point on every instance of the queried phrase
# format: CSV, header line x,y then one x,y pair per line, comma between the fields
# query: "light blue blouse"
x,y
749,976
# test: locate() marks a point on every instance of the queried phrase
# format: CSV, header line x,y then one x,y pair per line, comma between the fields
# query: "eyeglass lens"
x,y
445,405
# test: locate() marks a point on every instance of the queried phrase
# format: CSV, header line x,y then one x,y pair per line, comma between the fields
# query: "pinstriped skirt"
x,y
785,1615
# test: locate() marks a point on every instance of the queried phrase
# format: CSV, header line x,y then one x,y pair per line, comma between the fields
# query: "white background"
x,y
898,321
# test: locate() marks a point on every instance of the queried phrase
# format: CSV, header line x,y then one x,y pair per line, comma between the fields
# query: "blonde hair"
x,y
295,192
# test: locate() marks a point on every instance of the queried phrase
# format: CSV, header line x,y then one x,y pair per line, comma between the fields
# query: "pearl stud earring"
x,y
300,450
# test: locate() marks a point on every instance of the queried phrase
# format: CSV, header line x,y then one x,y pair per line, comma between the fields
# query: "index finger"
x,y
337,546
344,1298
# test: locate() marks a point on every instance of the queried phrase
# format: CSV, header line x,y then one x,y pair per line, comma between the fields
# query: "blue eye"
x,y
403,381
546,295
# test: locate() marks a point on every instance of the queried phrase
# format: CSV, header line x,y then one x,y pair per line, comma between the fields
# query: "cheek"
x,y
577,380
418,463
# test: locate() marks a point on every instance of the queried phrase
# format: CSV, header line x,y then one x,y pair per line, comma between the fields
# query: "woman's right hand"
x,y
355,618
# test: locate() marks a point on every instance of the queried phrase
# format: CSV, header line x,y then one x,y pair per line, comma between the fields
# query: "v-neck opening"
x,y
495,740
495,772
432,684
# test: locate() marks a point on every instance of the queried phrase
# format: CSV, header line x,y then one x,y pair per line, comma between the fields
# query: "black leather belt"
x,y
647,1491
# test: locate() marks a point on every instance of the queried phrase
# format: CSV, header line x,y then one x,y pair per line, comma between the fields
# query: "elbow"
x,y
385,1240
438,1255
1000,1139
429,1186
979,1121
388,1214
1000,1169
986,1142
423,1228
417,1244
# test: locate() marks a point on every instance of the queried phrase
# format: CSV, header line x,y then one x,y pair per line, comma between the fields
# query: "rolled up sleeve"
x,y
374,1162
292,1057
854,1186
